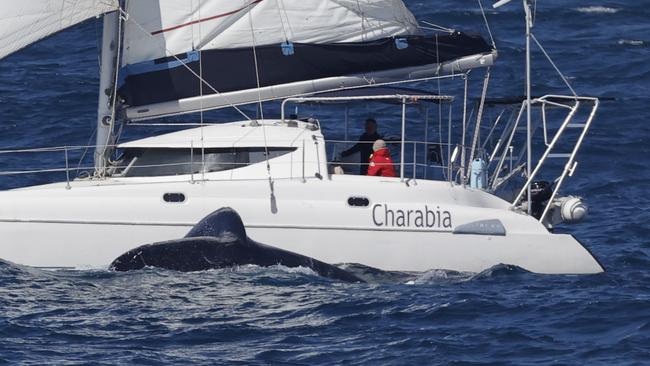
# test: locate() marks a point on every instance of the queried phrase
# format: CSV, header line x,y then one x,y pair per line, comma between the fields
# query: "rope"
x,y
363,26
257,69
439,104
277,3
259,94
201,95
85,151
487,24
462,155
438,27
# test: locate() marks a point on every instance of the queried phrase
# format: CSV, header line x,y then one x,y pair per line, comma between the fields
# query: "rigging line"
x,y
201,94
554,66
284,9
86,148
257,68
168,124
462,151
277,3
487,24
98,43
259,95
439,104
128,17
363,26
450,164
439,27
179,26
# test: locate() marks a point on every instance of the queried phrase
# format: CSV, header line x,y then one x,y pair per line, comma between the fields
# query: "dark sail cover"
x,y
227,70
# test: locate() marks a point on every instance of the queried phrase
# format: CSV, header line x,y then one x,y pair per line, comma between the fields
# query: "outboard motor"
x,y
540,193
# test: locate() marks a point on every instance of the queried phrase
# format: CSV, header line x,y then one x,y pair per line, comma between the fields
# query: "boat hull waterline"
x,y
403,227
220,241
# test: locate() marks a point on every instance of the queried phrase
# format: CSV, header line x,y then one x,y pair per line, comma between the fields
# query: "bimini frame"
x,y
404,99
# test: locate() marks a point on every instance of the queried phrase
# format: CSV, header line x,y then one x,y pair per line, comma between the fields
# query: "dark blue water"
x,y
270,316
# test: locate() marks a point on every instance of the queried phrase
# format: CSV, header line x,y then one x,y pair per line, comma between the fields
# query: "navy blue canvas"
x,y
234,69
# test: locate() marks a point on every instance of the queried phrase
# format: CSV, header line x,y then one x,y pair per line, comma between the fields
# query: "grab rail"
x,y
571,164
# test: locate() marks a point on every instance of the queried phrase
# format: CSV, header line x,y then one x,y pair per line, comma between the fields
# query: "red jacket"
x,y
381,165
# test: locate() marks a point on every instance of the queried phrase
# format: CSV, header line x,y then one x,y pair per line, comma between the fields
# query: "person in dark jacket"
x,y
381,164
364,146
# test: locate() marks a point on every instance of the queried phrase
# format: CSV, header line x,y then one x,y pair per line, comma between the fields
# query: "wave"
x,y
13,274
499,271
597,10
631,42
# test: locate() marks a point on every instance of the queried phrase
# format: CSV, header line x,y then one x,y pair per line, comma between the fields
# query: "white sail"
x,y
27,21
161,28
252,50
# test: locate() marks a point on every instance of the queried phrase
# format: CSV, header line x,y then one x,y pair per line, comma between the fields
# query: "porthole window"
x,y
358,202
174,197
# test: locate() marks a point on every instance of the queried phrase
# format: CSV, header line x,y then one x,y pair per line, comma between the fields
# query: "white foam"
x,y
631,42
598,10
295,270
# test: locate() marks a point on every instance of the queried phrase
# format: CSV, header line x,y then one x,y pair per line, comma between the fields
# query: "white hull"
x,y
51,226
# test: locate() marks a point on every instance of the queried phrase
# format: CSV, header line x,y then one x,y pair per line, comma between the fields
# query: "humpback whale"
x,y
220,241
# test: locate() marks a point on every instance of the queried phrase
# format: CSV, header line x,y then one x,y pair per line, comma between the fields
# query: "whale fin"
x,y
219,241
222,222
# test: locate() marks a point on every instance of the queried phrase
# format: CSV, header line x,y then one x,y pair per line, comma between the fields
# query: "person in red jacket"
x,y
381,164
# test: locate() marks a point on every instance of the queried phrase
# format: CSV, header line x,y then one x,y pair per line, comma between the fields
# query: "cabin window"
x,y
358,202
174,197
166,161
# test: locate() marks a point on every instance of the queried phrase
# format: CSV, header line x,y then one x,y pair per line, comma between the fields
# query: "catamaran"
x,y
465,199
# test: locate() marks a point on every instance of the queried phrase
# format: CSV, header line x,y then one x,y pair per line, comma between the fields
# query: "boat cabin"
x,y
236,150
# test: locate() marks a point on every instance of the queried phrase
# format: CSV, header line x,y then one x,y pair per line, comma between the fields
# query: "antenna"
x,y
529,25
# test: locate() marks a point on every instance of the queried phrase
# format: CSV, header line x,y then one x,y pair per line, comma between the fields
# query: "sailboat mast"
x,y
529,143
105,107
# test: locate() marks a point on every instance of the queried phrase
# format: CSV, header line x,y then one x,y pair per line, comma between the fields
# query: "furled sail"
x,y
27,21
286,47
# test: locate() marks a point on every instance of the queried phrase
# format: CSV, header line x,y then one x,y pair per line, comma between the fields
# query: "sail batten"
x,y
25,22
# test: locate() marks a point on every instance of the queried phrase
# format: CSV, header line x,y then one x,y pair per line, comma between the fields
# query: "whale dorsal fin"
x,y
224,221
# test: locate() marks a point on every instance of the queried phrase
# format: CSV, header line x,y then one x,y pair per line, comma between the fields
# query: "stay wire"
x,y
259,94
439,104
554,66
280,10
487,24
201,92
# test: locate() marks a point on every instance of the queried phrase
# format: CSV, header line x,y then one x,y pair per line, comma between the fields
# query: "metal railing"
x,y
572,104
413,157
416,161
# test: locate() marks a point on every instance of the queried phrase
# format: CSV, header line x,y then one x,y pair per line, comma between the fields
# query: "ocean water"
x,y
252,315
